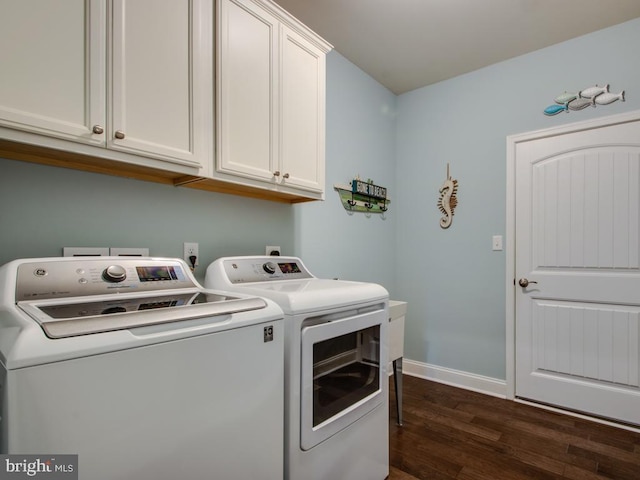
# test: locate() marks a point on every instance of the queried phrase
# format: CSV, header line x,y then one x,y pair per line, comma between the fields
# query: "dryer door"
x,y
343,373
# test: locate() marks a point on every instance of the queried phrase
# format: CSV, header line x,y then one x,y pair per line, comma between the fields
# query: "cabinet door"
x,y
53,67
302,112
246,101
159,96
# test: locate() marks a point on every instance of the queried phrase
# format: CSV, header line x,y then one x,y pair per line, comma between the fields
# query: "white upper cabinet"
x,y
247,79
302,111
53,60
270,99
160,83
127,87
134,76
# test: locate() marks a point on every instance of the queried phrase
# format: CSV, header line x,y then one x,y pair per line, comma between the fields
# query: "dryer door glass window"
x,y
346,369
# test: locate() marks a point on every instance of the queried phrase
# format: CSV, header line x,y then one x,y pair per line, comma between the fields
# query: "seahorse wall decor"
x,y
448,200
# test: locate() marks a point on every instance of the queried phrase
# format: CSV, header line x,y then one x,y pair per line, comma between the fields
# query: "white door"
x,y
577,211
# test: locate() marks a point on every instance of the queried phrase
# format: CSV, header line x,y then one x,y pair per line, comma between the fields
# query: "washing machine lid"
x,y
98,314
73,296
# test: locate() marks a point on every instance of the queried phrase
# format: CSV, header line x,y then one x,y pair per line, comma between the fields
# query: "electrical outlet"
x,y
272,250
191,249
85,251
128,252
497,243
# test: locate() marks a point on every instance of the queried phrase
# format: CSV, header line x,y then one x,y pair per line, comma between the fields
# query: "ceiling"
x,y
407,44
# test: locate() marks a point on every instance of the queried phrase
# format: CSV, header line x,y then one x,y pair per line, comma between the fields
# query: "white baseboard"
x,y
456,378
488,386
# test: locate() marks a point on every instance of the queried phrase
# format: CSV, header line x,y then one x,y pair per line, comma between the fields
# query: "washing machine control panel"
x,y
264,269
53,278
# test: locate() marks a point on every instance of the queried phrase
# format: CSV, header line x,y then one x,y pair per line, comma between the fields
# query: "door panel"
x,y
587,210
577,224
585,340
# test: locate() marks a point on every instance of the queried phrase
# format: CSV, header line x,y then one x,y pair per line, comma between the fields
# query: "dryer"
x,y
133,366
336,352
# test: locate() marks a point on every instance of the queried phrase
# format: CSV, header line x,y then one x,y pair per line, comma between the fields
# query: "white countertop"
x,y
397,309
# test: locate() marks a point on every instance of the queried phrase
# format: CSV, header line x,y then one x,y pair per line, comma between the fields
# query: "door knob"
x,y
276,173
97,129
119,134
524,283
286,175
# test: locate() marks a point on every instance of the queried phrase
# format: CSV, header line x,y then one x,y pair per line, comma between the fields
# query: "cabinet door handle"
x,y
97,129
276,173
119,134
286,175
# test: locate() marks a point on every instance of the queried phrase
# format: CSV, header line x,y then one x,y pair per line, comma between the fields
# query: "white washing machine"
x,y
130,364
336,352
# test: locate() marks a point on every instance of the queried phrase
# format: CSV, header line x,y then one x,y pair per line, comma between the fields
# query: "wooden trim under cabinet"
x,y
77,161
212,185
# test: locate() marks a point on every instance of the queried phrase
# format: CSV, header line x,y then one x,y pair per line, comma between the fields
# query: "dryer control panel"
x,y
99,275
264,269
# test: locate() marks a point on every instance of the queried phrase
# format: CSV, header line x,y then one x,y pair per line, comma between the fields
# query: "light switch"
x,y
497,242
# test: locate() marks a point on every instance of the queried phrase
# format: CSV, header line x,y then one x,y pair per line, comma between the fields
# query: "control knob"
x,y
269,267
114,274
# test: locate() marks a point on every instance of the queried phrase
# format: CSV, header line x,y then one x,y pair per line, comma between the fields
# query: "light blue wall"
x,y
454,283
361,132
43,209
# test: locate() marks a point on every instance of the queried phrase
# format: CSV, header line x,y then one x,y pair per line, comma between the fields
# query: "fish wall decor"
x,y
592,92
565,98
590,96
555,109
448,200
581,103
607,98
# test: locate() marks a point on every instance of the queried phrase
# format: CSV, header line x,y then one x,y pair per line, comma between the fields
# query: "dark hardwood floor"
x,y
450,433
